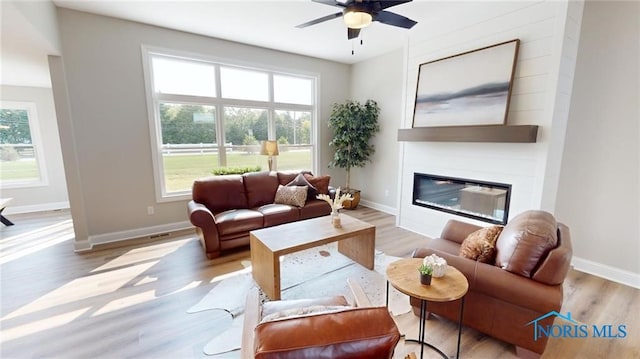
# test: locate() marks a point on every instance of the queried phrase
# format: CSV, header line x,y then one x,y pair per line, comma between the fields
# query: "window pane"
x,y
295,158
289,89
179,77
17,153
244,84
293,127
244,128
188,144
293,131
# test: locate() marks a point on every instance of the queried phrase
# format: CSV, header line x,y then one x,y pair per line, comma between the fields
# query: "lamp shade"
x,y
356,19
269,148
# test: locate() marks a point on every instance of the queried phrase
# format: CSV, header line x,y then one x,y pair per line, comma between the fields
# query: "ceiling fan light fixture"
x,y
356,19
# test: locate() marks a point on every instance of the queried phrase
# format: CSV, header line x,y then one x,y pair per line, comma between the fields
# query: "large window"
x,y
21,164
208,114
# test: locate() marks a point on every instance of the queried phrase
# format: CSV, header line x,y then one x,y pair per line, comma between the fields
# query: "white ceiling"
x,y
269,24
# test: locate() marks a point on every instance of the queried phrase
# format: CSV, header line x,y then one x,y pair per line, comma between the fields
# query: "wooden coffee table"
x,y
403,276
356,240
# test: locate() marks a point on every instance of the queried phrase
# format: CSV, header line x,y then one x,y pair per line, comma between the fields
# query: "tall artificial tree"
x,y
353,124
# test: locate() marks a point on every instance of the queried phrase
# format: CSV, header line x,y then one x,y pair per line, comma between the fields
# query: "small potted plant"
x,y
426,270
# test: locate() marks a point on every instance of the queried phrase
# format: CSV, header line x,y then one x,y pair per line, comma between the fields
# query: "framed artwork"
x,y
471,88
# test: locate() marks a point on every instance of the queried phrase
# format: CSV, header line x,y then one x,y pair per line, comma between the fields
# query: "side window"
x,y
22,164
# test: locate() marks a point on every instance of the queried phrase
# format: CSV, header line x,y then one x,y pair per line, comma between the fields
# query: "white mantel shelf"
x,y
484,133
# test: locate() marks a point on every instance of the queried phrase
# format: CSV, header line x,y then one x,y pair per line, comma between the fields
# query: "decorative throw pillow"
x,y
291,195
300,180
321,183
481,244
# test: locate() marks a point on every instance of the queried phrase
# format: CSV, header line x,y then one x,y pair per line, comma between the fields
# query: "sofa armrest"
x,y
501,284
366,332
514,288
201,217
199,214
457,231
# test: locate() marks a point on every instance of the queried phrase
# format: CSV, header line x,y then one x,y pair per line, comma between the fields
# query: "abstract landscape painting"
x,y
472,88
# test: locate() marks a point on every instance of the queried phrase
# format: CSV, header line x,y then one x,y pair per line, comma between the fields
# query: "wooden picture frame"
x,y
470,88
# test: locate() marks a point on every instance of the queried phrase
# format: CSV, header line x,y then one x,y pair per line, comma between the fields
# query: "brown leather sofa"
x,y
225,208
524,283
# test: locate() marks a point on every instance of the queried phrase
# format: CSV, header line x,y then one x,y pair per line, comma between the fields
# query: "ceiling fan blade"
x,y
331,2
352,33
384,4
390,18
319,20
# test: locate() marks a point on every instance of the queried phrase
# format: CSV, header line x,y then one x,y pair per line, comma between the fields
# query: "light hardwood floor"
x,y
129,300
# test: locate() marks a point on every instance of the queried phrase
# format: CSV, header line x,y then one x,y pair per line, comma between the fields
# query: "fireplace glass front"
x,y
485,201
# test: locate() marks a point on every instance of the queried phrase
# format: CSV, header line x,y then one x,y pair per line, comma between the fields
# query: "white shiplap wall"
x,y
548,33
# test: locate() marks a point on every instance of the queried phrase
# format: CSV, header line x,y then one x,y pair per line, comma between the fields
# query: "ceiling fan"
x,y
358,14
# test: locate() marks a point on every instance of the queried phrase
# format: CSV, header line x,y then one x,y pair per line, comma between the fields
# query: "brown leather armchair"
x,y
362,331
524,283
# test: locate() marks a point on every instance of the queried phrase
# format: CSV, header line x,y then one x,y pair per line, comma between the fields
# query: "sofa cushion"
x,y
526,240
300,180
275,214
260,187
285,177
291,195
315,208
220,193
481,244
321,183
238,220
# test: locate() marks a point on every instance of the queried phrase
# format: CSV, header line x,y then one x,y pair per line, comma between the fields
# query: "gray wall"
x,y
381,79
53,195
110,126
599,190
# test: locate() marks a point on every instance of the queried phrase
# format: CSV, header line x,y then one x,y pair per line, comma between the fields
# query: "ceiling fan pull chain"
x,y
352,50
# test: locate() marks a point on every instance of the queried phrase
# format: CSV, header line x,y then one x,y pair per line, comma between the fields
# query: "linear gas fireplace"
x,y
485,201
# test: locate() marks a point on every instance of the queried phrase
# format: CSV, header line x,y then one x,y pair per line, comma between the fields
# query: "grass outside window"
x,y
181,170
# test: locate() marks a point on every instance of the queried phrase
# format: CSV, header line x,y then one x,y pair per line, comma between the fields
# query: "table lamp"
x,y
269,148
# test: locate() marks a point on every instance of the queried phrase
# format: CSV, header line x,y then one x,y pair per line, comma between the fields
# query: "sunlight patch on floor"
x,y
126,302
87,290
142,254
32,327
18,246
219,278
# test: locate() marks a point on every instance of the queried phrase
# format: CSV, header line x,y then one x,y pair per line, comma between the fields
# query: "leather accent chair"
x,y
362,332
524,283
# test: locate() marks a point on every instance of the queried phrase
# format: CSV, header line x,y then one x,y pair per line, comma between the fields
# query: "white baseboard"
x,y
53,206
82,246
611,273
379,207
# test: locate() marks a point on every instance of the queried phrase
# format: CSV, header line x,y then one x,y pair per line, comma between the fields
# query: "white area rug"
x,y
316,272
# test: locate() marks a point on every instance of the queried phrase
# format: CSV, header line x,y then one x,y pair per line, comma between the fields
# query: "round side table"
x,y
403,275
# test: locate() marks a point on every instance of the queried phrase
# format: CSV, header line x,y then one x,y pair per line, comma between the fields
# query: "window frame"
x,y
219,102
36,142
